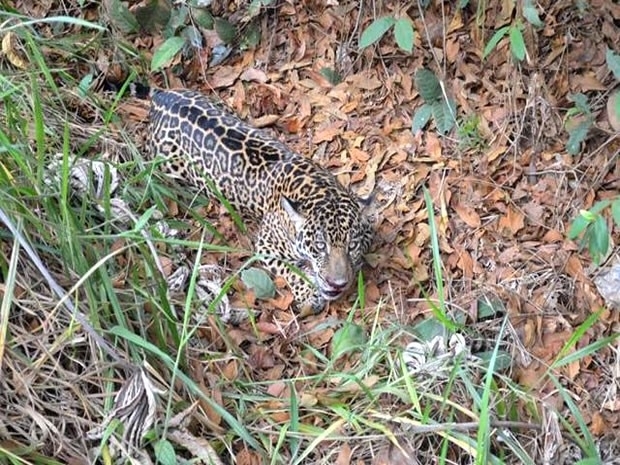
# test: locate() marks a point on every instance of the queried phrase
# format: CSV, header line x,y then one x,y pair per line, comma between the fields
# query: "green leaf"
x,y
192,35
254,8
490,307
530,13
347,339
404,34
153,15
164,452
225,30
444,115
331,75
85,84
581,102
613,62
462,4
375,31
251,36
203,18
578,226
121,17
597,208
598,243
177,20
576,136
427,329
421,117
259,281
502,361
517,44
499,35
615,211
428,85
166,52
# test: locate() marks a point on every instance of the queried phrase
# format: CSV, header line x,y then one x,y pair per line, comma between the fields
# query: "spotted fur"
x,y
306,219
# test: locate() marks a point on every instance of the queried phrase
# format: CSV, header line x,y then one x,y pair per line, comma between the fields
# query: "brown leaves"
x,y
512,222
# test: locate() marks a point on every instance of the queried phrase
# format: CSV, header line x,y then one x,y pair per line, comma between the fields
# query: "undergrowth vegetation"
x,y
103,358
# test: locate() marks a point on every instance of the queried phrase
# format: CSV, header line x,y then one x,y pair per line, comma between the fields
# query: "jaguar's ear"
x,y
366,203
293,212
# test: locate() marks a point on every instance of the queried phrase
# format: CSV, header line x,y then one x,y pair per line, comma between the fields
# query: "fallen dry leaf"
x,y
513,221
468,215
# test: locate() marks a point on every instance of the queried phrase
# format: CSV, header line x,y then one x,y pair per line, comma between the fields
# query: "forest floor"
x,y
477,333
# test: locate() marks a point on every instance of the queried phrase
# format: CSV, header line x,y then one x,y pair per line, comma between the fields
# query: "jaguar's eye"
x,y
353,245
321,245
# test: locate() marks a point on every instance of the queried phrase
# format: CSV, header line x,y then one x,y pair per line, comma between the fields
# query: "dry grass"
x,y
112,364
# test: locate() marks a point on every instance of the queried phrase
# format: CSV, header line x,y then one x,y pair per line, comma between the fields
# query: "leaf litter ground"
x,y
503,201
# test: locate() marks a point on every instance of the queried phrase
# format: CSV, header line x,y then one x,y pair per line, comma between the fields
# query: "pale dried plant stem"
x,y
59,291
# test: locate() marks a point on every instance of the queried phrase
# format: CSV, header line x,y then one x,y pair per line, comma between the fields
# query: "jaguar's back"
x,y
305,215
250,168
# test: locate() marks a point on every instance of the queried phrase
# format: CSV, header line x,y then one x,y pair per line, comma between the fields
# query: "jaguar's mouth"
x,y
331,291
331,294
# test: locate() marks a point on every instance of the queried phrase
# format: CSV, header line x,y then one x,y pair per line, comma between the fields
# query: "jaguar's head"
x,y
331,237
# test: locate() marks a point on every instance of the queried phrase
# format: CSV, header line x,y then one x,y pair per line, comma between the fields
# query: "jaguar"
x,y
310,229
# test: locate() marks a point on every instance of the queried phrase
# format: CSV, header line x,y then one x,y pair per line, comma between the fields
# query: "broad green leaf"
x,y
121,17
166,52
578,226
599,240
421,117
490,307
427,329
254,8
153,15
517,44
259,281
251,37
615,211
444,115
503,360
164,453
375,31
85,84
581,102
613,62
348,338
530,13
428,85
576,136
404,34
203,18
177,20
462,4
597,208
192,35
225,30
331,75
499,35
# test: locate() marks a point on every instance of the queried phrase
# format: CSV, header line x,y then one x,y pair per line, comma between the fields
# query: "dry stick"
x,y
465,426
59,291
472,425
